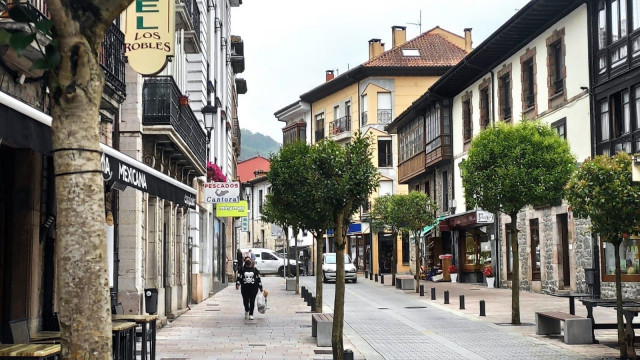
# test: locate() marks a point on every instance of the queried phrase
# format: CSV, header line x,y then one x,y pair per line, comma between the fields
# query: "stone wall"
x,y
582,252
522,251
548,247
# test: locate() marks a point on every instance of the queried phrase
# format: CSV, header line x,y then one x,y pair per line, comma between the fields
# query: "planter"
x,y
454,277
491,282
184,100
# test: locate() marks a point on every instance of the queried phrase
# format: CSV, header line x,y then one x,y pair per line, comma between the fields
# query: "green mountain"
x,y
256,144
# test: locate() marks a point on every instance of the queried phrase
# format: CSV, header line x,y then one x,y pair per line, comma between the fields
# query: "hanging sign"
x,y
149,32
245,224
238,209
222,192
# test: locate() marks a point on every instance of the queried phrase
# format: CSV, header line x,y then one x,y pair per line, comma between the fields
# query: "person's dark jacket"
x,y
249,278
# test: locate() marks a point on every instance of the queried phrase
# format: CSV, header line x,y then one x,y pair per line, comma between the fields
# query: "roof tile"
x,y
434,49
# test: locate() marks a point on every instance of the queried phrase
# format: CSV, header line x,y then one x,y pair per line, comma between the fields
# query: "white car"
x,y
269,262
329,268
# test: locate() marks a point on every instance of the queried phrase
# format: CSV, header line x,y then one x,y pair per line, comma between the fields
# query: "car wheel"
x,y
281,271
324,278
355,280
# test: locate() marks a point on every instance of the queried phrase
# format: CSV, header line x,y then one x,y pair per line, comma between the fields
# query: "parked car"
x,y
270,262
329,268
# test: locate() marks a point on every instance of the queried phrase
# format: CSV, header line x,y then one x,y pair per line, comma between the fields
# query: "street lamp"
x,y
207,112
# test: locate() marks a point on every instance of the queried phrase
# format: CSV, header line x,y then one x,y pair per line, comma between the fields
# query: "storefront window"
x,y
628,257
477,250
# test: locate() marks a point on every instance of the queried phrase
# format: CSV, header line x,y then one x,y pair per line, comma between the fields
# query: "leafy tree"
x,y
513,166
414,212
602,190
75,81
346,178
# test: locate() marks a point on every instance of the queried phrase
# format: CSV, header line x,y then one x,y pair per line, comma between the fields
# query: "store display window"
x,y
629,260
476,250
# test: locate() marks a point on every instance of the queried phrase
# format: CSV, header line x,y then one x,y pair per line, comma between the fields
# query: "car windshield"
x,y
331,259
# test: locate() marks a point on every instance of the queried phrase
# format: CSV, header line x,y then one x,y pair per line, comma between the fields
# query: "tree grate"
x,y
318,351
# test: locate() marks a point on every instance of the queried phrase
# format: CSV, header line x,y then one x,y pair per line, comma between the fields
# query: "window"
x,y
385,155
535,249
319,133
294,132
410,139
445,192
365,107
467,128
427,189
504,94
260,201
410,52
528,85
618,19
617,23
561,128
629,263
484,108
267,256
438,128
618,125
384,108
556,67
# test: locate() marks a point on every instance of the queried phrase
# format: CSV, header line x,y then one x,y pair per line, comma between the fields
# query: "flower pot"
x,y
491,282
454,277
184,100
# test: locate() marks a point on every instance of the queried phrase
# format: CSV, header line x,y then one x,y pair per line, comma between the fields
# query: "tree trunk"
x,y
295,249
319,245
515,272
286,273
338,306
394,258
621,339
417,240
83,290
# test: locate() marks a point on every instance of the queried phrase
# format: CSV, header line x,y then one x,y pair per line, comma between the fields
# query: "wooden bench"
x,y
32,351
404,283
321,328
577,330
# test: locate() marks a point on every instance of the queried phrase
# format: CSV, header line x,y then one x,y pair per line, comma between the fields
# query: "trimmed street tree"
x,y
346,178
75,82
414,212
513,166
602,191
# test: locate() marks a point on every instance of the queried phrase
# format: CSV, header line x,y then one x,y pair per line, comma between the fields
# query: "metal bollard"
x,y
366,274
303,291
348,354
421,290
433,293
461,302
393,281
313,304
376,277
382,279
482,310
370,276
446,296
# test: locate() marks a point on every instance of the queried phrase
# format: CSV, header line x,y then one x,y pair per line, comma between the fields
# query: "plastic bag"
x,y
261,303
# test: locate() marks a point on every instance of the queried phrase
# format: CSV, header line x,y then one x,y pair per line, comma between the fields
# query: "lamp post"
x,y
207,112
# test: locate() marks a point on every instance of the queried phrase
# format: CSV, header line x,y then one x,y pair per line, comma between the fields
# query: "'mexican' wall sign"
x,y
149,35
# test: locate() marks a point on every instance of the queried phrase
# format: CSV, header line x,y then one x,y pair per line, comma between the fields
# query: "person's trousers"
x,y
249,298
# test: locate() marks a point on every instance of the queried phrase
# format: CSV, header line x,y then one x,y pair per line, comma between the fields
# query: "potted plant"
x,y
453,274
488,273
184,100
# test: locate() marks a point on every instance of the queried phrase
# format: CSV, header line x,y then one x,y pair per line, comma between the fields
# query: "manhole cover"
x,y
510,324
415,307
383,308
474,289
323,351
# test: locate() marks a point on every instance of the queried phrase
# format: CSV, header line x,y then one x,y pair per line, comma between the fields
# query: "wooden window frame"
x,y
505,97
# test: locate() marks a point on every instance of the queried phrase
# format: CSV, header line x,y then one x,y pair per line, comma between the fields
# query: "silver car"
x,y
329,268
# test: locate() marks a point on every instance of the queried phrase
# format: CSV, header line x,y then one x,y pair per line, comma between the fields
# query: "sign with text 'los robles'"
x,y
149,32
222,192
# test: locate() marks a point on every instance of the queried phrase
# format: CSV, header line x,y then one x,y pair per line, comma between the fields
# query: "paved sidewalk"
x,y
216,329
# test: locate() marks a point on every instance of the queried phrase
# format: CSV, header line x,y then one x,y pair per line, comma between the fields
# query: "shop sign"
x,y
245,224
149,32
238,209
222,192
484,217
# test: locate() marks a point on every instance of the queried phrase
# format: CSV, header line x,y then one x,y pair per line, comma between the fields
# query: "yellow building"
x,y
366,99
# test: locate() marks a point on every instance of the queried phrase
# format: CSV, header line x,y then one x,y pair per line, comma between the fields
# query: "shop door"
x,y
385,250
563,234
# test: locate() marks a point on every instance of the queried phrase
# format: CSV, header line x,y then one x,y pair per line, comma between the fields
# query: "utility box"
x,y
291,284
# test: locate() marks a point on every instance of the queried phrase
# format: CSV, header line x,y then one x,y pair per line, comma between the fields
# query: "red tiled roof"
x,y
434,49
247,167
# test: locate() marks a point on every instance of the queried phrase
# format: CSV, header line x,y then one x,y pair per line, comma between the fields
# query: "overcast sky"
x,y
289,44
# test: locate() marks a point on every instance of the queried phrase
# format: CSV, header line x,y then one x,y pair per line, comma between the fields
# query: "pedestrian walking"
x,y
252,256
249,282
239,259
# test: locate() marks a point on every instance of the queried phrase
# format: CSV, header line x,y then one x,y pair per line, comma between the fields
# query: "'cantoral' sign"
x,y
222,192
149,35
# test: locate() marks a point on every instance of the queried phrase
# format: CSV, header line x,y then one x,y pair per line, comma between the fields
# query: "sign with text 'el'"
x,y
222,192
149,32
238,209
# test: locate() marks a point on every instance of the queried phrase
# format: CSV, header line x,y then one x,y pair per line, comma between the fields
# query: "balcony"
x,y
111,60
165,117
340,127
188,19
384,116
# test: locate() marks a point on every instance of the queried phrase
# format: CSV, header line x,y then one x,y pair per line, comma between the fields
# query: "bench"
x,y
404,283
31,351
577,330
321,328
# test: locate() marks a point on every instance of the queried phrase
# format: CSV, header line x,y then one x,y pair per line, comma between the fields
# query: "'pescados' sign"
x,y
149,35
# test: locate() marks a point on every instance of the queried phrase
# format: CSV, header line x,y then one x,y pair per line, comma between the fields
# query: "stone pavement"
x,y
216,329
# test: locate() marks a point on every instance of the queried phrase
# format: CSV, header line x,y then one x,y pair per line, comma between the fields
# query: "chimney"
x,y
375,48
398,35
329,75
467,40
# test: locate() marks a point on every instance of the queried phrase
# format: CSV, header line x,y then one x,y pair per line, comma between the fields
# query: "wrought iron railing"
x,y
111,58
194,13
161,106
340,125
41,7
384,116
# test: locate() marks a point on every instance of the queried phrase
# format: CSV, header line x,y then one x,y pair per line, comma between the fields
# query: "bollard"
x,y
461,302
303,291
366,274
313,303
482,312
382,279
376,277
421,290
393,281
370,276
433,293
348,354
446,296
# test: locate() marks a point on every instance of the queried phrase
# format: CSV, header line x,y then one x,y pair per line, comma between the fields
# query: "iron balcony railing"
x,y
161,106
111,58
384,116
41,8
340,125
194,13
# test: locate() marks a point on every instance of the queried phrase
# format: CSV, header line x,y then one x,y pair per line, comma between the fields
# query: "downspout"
x,y
497,226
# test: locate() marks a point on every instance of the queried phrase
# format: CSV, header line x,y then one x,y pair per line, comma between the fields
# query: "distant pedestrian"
x,y
252,256
249,281
239,258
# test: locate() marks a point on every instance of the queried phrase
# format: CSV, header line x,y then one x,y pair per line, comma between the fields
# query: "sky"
x,y
290,44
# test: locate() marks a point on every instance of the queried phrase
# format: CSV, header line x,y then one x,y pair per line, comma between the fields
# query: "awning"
x,y
468,219
428,228
23,126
